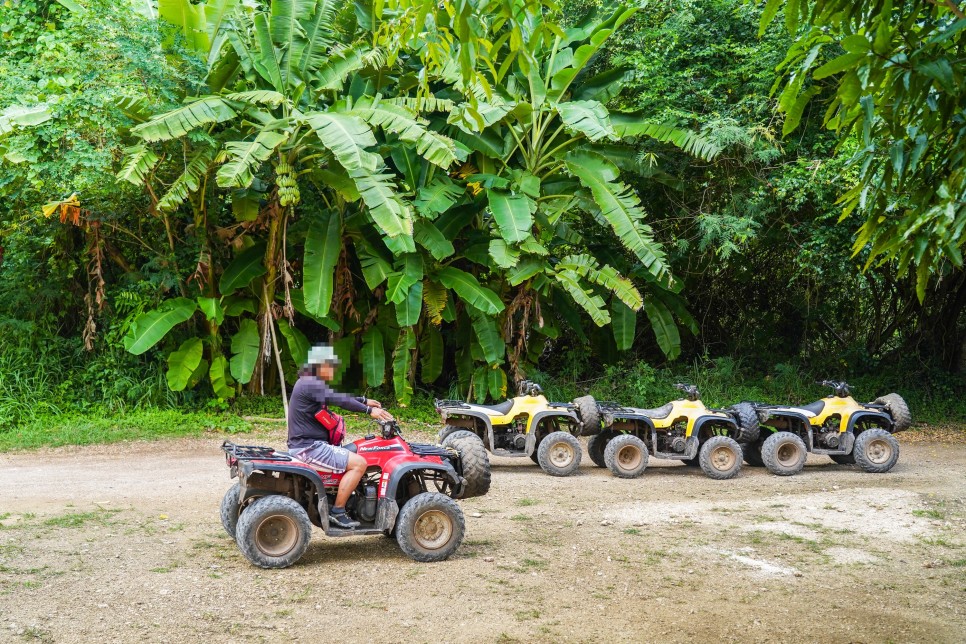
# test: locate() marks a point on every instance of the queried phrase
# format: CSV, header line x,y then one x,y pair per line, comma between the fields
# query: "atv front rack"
x,y
425,449
253,452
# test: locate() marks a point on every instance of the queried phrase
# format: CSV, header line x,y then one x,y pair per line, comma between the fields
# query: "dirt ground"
x,y
123,543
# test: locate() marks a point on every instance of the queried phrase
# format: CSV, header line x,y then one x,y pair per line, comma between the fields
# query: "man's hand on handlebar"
x,y
380,414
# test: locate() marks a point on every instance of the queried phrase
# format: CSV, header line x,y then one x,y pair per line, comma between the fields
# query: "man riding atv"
x,y
315,434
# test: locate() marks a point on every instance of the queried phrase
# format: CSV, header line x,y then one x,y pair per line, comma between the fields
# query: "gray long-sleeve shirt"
x,y
309,395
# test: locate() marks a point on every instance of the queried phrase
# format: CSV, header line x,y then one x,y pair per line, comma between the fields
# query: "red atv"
x,y
271,509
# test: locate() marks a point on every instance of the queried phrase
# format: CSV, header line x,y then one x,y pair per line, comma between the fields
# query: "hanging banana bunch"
x,y
288,187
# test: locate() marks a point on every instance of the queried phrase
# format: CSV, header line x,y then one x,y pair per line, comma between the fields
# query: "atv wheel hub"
x,y
629,457
276,536
561,455
433,530
787,454
879,451
723,458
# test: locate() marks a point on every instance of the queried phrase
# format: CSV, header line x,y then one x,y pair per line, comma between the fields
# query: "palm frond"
x,y
435,148
139,160
626,125
188,182
245,157
621,207
179,121
346,136
391,214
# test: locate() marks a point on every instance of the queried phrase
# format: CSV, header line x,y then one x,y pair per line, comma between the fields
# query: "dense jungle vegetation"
x,y
607,198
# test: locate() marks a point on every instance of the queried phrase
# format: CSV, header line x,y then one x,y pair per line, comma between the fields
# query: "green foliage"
x,y
88,428
894,71
543,187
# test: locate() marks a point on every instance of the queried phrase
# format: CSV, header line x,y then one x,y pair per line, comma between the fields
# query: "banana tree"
x,y
277,111
547,156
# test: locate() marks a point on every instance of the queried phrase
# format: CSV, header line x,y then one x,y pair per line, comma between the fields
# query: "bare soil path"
x,y
123,543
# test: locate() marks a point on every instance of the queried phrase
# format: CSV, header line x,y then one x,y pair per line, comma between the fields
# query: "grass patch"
x,y
525,503
520,517
93,428
929,514
631,531
79,519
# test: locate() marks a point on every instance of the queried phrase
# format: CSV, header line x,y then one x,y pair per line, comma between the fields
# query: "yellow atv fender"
x,y
536,409
694,411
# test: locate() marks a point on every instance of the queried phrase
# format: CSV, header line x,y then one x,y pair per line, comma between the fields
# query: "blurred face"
x,y
326,371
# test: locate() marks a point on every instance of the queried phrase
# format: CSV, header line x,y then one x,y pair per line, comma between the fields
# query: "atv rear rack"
x,y
563,405
253,452
613,406
450,403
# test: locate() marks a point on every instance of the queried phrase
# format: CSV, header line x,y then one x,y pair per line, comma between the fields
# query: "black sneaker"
x,y
342,520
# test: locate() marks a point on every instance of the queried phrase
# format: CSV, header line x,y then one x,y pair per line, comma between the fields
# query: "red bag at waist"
x,y
332,422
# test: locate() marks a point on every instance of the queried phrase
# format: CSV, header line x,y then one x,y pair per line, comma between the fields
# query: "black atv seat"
x,y
350,447
815,407
501,409
659,412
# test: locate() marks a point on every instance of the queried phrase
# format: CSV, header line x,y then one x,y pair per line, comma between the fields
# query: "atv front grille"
x,y
253,452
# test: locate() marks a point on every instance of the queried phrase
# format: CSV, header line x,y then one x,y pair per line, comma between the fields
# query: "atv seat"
x,y
500,409
657,413
815,407
351,447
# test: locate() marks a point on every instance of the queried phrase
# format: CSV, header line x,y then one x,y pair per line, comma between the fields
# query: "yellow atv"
x,y
527,425
683,430
847,431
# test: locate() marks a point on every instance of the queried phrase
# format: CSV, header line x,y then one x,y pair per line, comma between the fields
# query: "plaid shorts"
x,y
323,456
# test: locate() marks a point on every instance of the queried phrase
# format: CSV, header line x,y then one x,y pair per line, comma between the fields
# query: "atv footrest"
x,y
339,532
499,451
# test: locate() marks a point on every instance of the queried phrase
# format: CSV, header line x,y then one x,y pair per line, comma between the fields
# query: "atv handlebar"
x,y
529,388
389,428
690,390
842,389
